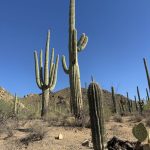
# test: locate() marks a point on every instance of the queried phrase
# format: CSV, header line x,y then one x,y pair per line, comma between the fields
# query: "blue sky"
x,y
119,38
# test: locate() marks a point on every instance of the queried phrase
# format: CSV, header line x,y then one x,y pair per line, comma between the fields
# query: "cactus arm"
x,y
37,70
46,73
55,74
66,70
82,42
41,67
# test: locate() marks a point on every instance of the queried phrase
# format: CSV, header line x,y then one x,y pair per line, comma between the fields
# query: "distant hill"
x,y
5,95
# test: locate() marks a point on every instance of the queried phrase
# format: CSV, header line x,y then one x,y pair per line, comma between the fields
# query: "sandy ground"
x,y
72,137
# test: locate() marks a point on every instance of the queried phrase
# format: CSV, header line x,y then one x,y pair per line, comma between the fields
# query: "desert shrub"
x,y
136,118
147,121
117,118
37,133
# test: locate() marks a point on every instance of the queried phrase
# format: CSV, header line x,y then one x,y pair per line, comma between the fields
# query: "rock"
x,y
87,143
60,137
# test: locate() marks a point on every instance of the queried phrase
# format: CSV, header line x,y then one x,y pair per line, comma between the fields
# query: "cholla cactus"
x,y
73,70
95,99
46,81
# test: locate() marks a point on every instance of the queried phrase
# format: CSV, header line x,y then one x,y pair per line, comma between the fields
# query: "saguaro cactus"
x,y
129,104
147,72
95,99
141,103
46,80
73,70
147,94
16,105
136,106
113,100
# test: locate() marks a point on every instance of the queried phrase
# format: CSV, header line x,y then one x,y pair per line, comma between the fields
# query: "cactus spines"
x,y
147,94
46,79
113,100
147,73
140,132
95,99
73,71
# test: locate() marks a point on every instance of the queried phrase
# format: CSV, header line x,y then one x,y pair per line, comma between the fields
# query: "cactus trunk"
x,y
114,100
95,99
45,102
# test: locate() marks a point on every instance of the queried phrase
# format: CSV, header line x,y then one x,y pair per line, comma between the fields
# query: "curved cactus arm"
x,y
41,67
82,42
66,70
37,73
46,72
54,79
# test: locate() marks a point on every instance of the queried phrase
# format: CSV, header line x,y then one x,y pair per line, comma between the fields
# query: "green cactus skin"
x,y
129,104
113,100
95,99
147,94
141,103
147,72
136,106
46,80
16,105
140,132
73,71
123,103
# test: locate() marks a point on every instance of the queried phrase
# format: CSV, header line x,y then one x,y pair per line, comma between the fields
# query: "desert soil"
x,y
72,137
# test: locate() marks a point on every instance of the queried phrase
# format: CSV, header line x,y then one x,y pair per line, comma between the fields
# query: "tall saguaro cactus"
x,y
46,79
73,70
129,103
95,99
147,72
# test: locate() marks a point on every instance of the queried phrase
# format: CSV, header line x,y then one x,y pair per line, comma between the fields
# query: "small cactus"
x,y
16,105
141,103
140,132
95,99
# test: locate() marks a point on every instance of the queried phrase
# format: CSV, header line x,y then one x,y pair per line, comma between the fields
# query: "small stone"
x,y
87,143
60,137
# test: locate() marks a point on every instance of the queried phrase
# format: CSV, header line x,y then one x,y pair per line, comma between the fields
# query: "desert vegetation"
x,y
73,118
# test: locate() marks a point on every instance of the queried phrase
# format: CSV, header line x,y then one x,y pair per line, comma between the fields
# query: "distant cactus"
x,y
136,106
141,103
147,73
95,99
113,100
73,71
16,105
46,81
129,103
147,94
123,103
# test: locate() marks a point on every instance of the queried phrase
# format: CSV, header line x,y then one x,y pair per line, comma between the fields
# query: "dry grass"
x,y
118,118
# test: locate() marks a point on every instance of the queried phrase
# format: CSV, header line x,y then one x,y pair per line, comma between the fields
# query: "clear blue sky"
x,y
119,37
